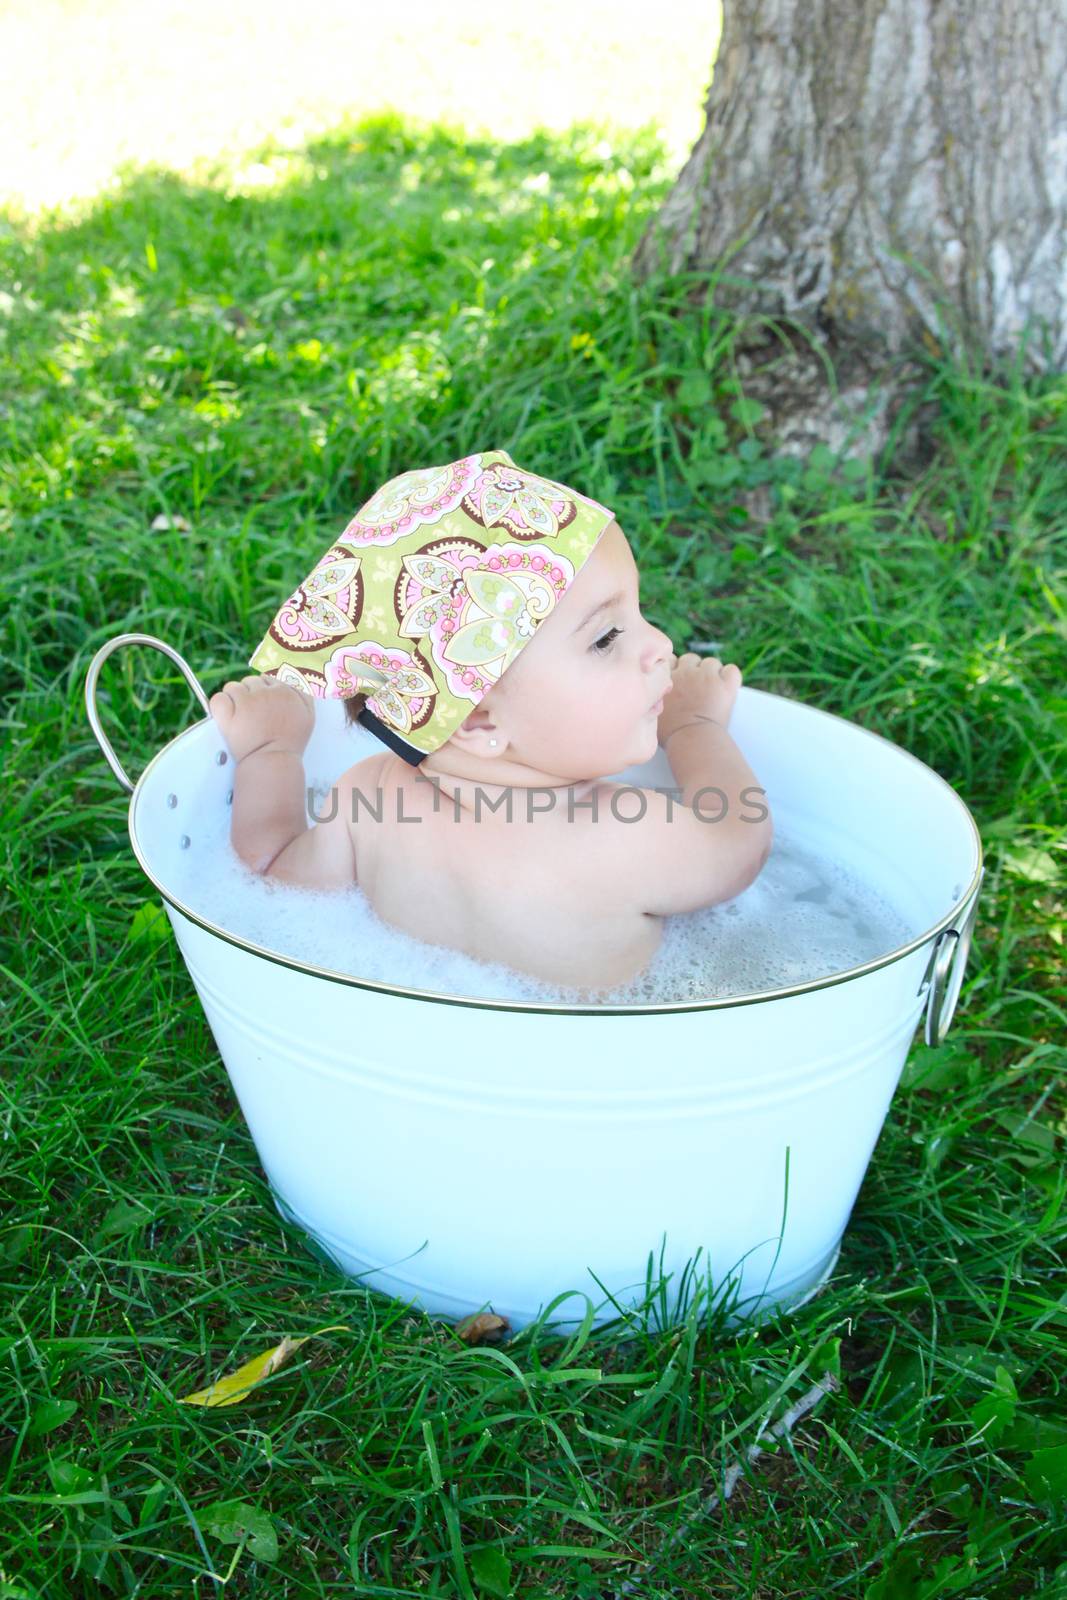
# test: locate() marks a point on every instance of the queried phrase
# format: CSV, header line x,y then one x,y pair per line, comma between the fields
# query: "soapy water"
x,y
805,917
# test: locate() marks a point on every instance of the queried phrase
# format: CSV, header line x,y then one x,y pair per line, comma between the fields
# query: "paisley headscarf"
x,y
430,593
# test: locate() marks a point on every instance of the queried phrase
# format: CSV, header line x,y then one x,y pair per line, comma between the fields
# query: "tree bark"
x,y
892,173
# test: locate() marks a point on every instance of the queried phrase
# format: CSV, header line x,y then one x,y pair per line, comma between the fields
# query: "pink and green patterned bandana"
x,y
430,593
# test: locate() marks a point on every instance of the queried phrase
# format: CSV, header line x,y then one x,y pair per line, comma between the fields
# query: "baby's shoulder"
x,y
365,773
609,850
356,793
655,855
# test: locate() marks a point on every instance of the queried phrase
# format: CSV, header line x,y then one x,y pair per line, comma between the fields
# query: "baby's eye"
x,y
602,646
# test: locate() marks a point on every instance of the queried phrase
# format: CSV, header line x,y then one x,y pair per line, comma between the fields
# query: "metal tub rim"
x,y
943,975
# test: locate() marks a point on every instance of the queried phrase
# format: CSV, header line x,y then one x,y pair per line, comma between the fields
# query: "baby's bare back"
x,y
523,891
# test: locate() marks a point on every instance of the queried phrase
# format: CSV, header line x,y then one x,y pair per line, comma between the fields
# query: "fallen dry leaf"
x,y
485,1328
235,1386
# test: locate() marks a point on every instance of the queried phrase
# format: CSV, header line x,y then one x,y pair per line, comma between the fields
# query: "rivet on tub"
x,y
172,800
183,842
220,758
229,797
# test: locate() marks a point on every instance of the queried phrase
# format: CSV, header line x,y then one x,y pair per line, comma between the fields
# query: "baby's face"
x,y
581,699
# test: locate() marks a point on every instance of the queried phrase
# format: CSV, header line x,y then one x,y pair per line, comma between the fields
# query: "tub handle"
x,y
945,975
90,692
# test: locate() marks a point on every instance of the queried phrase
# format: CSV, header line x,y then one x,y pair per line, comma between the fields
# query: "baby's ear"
x,y
476,737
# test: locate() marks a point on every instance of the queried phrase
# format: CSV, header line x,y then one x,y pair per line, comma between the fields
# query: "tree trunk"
x,y
890,173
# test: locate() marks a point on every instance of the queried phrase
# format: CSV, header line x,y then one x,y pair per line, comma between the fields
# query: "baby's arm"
x,y
693,729
680,856
267,726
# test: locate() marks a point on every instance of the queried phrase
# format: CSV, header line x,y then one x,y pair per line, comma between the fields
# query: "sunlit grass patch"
x,y
92,90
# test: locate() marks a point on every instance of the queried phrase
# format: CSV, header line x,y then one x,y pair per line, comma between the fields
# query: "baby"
x,y
491,618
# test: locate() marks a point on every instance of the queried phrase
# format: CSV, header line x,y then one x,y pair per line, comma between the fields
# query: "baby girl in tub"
x,y
484,624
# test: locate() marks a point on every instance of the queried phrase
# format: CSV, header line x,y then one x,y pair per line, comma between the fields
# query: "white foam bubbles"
x,y
804,918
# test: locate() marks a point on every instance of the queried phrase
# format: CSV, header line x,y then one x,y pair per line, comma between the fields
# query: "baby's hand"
x,y
259,712
703,690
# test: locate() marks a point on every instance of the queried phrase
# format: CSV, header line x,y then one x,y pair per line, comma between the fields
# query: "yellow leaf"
x,y
235,1386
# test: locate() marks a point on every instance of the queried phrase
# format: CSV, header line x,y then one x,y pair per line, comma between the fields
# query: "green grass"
x,y
255,366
